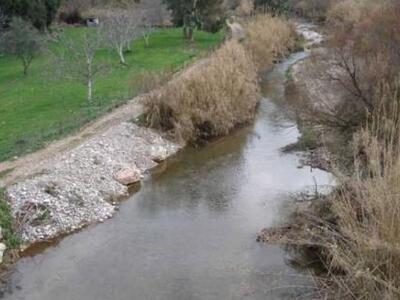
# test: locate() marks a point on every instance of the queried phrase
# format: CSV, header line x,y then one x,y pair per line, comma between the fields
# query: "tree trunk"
x,y
190,35
25,65
90,90
146,40
121,56
185,32
25,70
89,81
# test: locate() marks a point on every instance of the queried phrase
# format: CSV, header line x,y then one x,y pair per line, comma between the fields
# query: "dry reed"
x,y
209,99
269,39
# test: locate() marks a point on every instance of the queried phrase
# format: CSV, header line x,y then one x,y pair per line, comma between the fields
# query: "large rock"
x,y
158,153
128,176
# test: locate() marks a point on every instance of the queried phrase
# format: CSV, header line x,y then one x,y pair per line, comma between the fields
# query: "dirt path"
x,y
26,166
30,164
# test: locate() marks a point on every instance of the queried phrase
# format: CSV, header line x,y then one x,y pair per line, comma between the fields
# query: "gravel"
x,y
78,187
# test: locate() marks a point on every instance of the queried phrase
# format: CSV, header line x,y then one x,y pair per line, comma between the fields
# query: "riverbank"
x,y
79,182
348,103
42,107
189,232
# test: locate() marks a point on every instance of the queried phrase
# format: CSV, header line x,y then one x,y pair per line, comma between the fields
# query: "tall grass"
x,y
366,244
355,230
269,39
209,99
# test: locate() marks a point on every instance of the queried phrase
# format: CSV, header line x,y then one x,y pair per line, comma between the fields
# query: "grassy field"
x,y
39,108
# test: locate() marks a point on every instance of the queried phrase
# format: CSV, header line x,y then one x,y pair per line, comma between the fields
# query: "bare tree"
x,y
146,29
120,29
75,59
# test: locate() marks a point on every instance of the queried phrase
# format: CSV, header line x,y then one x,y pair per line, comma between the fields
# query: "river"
x,y
190,231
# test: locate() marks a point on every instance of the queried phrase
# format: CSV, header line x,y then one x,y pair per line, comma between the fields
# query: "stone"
x,y
128,176
86,177
3,248
158,153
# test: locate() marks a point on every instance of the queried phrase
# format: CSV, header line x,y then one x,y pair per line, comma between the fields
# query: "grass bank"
x,y
11,240
37,108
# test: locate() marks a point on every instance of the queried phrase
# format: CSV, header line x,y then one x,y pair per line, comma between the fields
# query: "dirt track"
x,y
30,164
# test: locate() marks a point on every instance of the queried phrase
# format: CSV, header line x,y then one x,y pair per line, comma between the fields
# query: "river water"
x,y
190,231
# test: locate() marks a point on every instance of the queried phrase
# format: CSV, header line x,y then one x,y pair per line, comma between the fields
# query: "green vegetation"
x,y
12,241
40,13
206,14
35,109
21,40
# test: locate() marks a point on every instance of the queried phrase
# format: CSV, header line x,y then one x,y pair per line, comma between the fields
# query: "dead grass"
x,y
269,39
355,231
209,99
366,245
148,81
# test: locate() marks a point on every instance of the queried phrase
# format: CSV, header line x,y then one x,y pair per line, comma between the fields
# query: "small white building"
x,y
92,22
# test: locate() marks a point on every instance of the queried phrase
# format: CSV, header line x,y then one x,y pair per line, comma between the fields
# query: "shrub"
x,y
365,60
356,229
209,99
269,39
366,244
23,41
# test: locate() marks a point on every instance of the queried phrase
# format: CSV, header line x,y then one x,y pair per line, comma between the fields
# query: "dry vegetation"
x,y
221,92
209,99
356,229
365,245
269,39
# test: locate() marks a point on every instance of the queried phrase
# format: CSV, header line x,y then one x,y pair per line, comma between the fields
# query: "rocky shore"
x,y
82,186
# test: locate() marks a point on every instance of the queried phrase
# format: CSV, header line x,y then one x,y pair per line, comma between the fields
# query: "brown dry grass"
x,y
366,245
148,81
269,39
355,231
210,99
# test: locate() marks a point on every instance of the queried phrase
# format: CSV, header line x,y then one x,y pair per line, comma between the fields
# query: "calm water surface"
x,y
190,232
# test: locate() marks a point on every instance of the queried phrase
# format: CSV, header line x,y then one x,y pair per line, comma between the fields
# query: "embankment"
x,y
81,185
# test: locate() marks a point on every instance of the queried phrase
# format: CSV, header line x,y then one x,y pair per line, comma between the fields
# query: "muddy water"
x,y
190,232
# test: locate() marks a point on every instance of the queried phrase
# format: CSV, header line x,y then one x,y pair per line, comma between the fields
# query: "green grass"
x,y
39,108
11,240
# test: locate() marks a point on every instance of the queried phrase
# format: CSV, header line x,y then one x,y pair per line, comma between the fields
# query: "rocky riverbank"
x,y
82,186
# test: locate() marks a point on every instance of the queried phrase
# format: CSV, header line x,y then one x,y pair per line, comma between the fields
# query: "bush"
x,y
366,244
356,230
23,41
365,60
269,39
209,99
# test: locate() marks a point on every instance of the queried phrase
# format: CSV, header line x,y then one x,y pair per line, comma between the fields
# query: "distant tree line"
x,y
40,13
